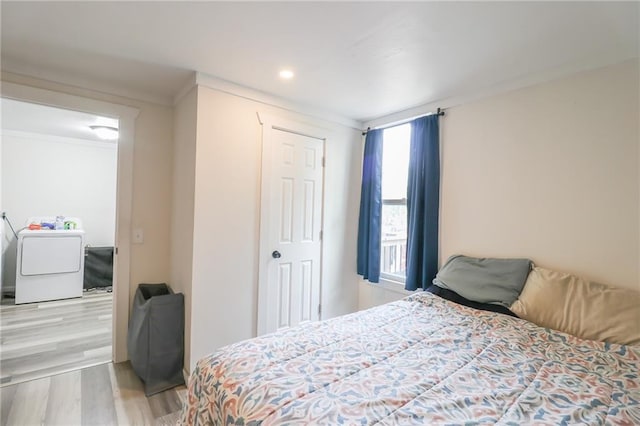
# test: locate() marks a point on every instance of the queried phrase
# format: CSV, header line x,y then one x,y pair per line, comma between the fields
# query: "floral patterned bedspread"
x,y
420,360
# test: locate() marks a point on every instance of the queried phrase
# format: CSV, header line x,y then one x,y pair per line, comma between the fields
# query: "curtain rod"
x,y
438,112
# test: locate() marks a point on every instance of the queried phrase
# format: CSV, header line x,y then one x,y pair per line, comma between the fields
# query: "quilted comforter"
x,y
420,360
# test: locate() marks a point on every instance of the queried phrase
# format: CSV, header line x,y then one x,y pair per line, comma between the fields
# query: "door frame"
x,y
269,123
126,116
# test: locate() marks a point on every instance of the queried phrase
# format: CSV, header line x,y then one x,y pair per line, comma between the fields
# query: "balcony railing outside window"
x,y
395,172
393,252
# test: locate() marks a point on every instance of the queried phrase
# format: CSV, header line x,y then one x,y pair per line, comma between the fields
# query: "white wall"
x,y
549,172
45,175
227,214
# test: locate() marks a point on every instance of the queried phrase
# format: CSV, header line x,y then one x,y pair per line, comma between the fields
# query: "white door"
x,y
291,221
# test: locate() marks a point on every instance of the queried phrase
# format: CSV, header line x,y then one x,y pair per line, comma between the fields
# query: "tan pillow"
x,y
579,307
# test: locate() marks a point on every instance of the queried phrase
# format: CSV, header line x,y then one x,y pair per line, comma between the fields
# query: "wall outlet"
x,y
138,236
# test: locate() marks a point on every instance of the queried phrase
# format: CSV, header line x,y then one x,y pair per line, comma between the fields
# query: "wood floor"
x,y
107,394
42,339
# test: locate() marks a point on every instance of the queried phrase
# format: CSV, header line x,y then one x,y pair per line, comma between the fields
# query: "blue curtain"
x,y
370,208
423,203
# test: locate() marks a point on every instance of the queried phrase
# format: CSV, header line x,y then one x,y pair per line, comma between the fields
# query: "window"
x,y
395,170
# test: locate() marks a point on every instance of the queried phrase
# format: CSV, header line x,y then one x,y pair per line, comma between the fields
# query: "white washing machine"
x,y
49,265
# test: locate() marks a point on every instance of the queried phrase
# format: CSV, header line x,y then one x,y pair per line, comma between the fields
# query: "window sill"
x,y
390,285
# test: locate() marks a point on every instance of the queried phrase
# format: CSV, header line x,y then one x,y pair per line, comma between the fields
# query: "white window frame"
x,y
391,277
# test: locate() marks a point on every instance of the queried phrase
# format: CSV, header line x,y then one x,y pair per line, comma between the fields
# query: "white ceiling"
x,y
360,60
33,118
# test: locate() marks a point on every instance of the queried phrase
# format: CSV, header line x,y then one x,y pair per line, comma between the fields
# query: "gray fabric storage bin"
x,y
98,267
155,340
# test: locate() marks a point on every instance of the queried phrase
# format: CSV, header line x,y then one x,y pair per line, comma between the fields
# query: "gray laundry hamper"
x,y
155,340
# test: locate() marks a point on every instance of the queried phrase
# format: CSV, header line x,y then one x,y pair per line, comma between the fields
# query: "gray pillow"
x,y
484,280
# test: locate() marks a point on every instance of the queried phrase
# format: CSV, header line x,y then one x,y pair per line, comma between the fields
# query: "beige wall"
x,y
370,294
549,172
227,215
152,170
152,164
184,158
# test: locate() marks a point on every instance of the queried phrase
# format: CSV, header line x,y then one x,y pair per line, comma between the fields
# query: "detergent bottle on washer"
x,y
59,223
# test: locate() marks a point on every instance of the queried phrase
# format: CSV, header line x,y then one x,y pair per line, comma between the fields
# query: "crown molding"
x,y
85,82
228,87
497,89
189,84
23,92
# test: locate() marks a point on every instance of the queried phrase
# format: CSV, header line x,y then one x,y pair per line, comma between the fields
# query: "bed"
x,y
420,360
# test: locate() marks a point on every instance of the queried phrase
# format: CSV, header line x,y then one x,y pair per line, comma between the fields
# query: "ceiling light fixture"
x,y
106,132
286,74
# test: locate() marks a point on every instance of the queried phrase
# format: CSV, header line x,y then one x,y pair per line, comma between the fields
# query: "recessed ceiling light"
x,y
286,74
105,132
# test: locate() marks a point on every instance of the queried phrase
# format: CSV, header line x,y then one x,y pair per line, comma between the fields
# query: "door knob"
x,y
276,254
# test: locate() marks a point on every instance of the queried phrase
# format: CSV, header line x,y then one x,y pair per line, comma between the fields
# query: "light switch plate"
x,y
138,236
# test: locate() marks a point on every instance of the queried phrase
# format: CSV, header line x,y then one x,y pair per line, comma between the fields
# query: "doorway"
x,y
58,200
126,117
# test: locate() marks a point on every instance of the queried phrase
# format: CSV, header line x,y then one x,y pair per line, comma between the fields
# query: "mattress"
x,y
420,360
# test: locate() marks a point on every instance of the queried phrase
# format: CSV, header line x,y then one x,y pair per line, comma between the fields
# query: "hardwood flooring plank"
x,y
97,397
35,362
131,404
44,307
47,335
67,302
54,339
64,405
78,345
6,394
6,307
168,420
52,309
164,403
7,355
29,324
19,327
98,349
104,351
66,316
20,316
182,392
64,330
9,305
51,370
29,403
103,395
